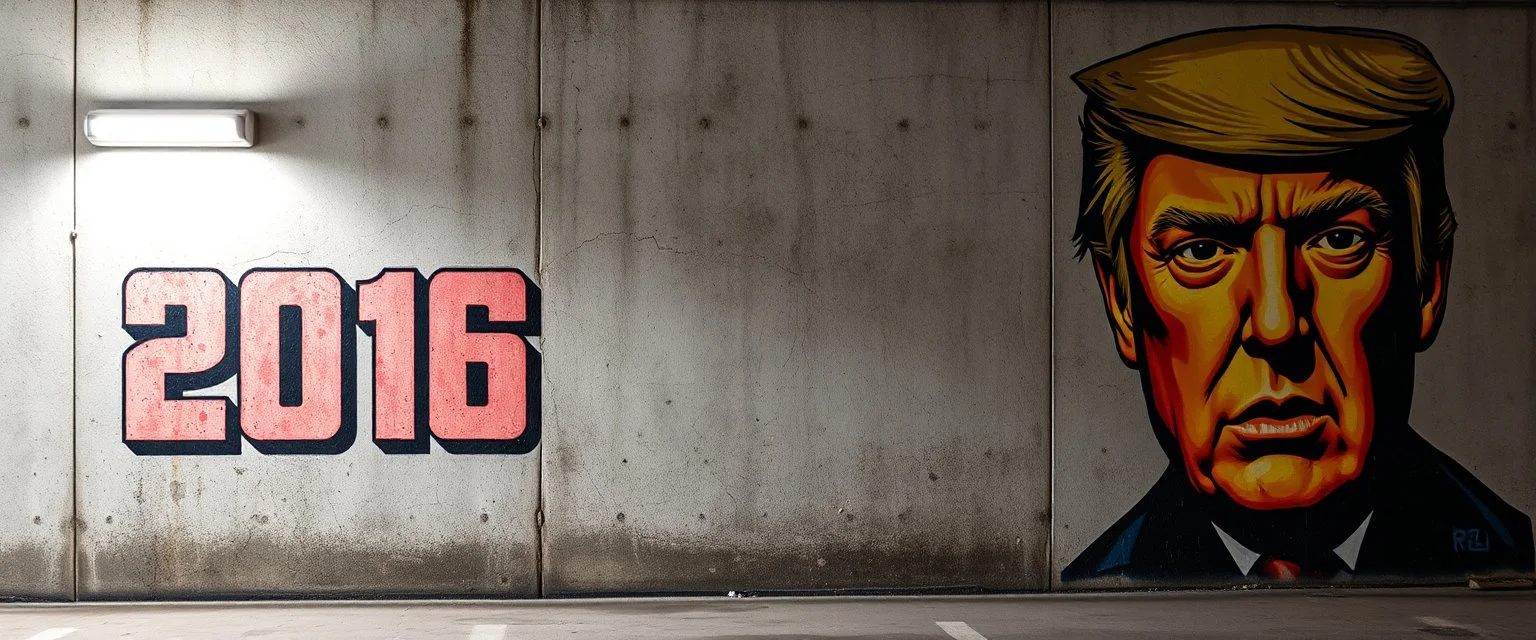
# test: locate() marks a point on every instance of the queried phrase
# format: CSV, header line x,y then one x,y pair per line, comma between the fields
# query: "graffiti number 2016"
x,y
451,360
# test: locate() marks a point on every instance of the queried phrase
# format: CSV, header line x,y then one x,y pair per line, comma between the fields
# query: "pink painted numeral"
x,y
499,411
389,303
147,414
316,295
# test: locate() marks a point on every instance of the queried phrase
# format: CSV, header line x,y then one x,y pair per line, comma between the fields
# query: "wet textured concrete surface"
x,y
1398,613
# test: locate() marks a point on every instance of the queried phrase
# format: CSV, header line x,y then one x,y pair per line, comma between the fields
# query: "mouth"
x,y
1293,427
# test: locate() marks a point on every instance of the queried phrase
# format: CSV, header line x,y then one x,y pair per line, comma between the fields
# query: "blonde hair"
x,y
1268,97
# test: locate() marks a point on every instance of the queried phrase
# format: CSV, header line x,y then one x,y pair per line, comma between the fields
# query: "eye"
x,y
1198,262
1340,239
1200,250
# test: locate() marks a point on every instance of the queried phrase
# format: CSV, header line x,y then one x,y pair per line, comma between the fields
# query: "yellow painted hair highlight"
x,y
1286,94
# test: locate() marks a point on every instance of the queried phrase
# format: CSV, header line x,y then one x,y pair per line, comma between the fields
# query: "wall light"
x,y
171,127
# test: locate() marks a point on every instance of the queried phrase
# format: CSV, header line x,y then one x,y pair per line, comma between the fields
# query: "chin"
x,y
1281,481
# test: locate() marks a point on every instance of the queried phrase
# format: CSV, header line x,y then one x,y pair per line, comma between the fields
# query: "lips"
x,y
1293,426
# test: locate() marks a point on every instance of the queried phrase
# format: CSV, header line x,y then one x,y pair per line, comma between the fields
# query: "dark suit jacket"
x,y
1431,522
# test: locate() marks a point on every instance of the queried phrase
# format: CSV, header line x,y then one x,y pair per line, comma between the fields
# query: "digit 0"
x,y
290,354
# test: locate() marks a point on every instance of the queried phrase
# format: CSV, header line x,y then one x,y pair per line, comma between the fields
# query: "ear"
x,y
1119,310
1432,295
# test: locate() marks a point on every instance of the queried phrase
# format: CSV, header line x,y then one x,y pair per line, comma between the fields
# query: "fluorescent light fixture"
x,y
171,127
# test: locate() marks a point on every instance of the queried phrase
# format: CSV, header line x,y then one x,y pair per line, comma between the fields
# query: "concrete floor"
x,y
1401,613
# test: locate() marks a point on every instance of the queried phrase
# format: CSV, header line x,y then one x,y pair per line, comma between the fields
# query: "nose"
x,y
1273,319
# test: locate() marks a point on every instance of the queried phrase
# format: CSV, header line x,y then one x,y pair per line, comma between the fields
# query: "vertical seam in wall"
x,y
538,266
74,305
538,139
1050,319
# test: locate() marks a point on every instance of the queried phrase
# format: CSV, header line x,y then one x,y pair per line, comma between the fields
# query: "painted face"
x,y
1262,286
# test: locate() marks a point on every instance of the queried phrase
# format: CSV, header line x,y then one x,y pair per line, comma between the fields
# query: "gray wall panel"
x,y
796,260
36,213
393,134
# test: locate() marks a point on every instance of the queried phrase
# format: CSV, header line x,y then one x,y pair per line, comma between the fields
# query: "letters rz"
x,y
451,360
1474,540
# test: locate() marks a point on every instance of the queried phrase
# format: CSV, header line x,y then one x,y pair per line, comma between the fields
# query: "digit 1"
x,y
290,354
152,408
386,309
478,375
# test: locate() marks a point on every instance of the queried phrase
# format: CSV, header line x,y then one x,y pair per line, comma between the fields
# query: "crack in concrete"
x,y
274,253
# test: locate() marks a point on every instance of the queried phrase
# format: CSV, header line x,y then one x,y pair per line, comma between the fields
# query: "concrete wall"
x,y
811,316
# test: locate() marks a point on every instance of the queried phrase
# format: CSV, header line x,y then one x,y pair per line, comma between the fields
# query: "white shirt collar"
x,y
1347,551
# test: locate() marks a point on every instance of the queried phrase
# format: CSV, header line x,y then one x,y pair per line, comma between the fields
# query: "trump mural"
x,y
1265,212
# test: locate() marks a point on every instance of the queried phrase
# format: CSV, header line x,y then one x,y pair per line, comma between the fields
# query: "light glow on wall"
x,y
170,128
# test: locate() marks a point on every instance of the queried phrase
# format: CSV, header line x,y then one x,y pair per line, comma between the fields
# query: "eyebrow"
x,y
1205,224
1311,217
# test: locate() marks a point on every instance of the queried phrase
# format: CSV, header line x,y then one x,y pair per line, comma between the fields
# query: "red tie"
x,y
1277,569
